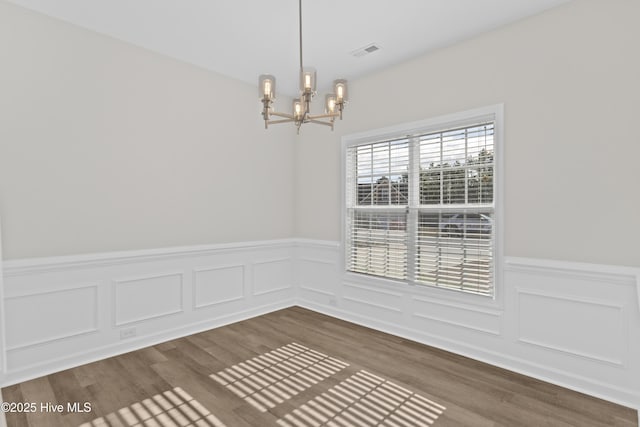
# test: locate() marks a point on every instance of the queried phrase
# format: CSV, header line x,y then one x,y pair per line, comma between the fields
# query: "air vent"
x,y
366,50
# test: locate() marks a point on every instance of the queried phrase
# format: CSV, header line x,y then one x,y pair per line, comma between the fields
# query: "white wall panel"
x,y
68,312
147,297
316,271
315,274
468,317
272,275
592,329
372,302
218,285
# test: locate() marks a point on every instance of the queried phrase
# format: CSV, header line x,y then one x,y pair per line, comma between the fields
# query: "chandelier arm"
x,y
275,113
323,116
275,122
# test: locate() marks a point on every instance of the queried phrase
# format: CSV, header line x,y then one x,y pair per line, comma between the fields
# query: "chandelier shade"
x,y
308,80
301,112
330,103
267,86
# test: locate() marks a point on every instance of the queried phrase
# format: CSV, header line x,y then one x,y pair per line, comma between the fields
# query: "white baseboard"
x,y
88,356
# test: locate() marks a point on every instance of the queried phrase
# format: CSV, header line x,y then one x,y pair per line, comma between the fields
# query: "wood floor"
x,y
295,367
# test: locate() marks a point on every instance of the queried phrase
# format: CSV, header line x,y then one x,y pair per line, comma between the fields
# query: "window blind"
x,y
421,209
377,219
454,238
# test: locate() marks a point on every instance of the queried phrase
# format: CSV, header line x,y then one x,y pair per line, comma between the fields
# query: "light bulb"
x,y
298,109
330,104
308,80
340,87
267,87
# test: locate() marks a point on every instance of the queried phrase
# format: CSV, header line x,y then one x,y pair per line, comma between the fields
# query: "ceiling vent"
x,y
366,50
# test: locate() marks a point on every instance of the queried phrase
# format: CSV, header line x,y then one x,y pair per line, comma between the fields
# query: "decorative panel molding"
x,y
572,325
374,305
218,285
568,323
371,292
69,312
142,293
272,276
373,298
147,297
316,273
470,317
372,301
317,291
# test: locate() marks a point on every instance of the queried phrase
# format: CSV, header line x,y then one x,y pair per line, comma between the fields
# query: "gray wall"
x,y
568,79
105,146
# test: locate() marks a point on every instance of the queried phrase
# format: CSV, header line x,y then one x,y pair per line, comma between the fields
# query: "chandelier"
x,y
334,102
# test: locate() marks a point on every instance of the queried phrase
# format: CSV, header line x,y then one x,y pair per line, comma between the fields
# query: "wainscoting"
x,y
65,311
575,325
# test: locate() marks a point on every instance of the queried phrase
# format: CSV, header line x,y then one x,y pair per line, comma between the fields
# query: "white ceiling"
x,y
246,38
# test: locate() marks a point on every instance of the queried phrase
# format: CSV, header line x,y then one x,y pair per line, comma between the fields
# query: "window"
x,y
420,205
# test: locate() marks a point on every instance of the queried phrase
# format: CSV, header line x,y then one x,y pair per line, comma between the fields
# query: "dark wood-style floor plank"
x,y
126,389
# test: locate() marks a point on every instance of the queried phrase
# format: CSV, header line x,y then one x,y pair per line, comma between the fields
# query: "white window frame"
x,y
494,113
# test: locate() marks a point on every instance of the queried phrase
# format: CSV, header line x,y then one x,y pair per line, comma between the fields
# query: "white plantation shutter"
x,y
421,208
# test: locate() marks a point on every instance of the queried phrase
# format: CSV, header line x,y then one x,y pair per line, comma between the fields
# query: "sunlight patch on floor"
x,y
173,408
365,400
274,377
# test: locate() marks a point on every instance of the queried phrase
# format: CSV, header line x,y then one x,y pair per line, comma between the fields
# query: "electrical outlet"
x,y
127,333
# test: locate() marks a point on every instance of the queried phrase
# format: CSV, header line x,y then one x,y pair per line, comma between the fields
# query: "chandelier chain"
x,y
300,30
